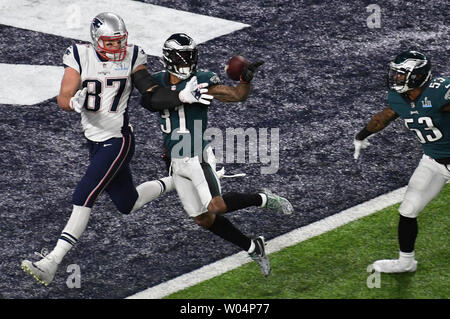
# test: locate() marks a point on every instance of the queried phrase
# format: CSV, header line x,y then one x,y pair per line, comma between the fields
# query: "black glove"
x,y
250,70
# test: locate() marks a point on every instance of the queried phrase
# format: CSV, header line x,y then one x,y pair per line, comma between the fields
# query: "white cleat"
x,y
259,255
43,270
394,266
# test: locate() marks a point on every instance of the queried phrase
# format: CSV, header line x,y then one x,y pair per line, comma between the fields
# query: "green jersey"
x,y
425,118
183,126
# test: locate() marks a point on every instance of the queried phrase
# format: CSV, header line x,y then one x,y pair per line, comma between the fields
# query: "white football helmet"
x,y
108,26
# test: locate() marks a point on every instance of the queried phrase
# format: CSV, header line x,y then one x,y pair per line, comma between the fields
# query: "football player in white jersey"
x,y
97,83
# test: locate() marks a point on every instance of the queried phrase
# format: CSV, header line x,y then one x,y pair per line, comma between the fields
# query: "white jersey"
x,y
109,87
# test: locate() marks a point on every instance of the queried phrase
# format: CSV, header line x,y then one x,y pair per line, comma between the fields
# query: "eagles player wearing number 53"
x,y
193,164
423,102
97,83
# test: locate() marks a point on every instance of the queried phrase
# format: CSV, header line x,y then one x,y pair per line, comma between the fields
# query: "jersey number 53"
x,y
426,131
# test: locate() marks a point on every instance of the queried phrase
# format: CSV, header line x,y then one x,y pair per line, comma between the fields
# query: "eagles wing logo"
x,y
215,79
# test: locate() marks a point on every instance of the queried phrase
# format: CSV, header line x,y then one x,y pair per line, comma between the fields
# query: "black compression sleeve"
x,y
235,201
159,99
142,80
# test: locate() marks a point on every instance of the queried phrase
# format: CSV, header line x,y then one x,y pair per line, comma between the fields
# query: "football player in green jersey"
x,y
192,161
423,102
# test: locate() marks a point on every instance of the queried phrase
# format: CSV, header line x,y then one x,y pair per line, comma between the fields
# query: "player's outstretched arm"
x,y
240,92
227,93
70,84
378,122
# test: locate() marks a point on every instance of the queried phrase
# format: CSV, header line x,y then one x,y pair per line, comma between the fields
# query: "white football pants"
x,y
425,184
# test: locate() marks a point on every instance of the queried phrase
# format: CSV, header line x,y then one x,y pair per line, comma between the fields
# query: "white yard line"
x,y
289,239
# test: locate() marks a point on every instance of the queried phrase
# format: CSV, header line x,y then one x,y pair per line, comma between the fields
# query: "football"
x,y
234,67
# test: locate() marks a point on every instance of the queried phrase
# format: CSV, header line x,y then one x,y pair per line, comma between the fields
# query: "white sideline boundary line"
x,y
289,239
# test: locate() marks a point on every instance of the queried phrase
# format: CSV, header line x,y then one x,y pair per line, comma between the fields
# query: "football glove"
x,y
77,101
359,145
250,70
195,93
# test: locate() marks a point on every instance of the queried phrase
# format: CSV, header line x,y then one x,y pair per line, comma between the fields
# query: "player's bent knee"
x,y
217,205
125,209
408,209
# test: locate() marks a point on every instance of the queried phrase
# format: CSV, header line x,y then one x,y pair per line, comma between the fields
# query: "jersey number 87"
x,y
93,100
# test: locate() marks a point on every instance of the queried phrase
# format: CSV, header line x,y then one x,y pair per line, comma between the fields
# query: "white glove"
x,y
77,101
195,93
359,145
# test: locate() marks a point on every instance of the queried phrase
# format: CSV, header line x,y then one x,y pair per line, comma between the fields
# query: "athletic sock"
x,y
406,257
73,230
236,201
167,183
150,191
223,228
407,233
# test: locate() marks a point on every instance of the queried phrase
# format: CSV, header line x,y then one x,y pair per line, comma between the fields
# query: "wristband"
x,y
363,134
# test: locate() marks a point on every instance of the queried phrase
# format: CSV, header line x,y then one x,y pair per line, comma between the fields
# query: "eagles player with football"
x,y
192,161
97,83
423,102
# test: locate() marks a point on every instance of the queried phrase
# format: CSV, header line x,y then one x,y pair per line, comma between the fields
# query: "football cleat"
x,y
259,255
394,266
43,270
278,203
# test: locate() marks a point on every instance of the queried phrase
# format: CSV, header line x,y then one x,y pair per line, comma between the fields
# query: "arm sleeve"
x,y
159,99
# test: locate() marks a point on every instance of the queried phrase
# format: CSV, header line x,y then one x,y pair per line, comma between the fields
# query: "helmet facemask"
x,y
112,54
180,56
181,63
407,73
